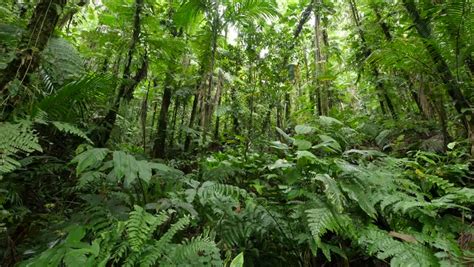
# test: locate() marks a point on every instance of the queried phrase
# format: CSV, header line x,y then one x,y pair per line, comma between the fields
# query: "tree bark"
x,y
143,116
126,89
159,148
40,28
317,56
196,104
379,85
461,104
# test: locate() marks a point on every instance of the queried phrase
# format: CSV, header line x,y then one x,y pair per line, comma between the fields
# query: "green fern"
x,y
332,191
71,129
89,159
156,251
209,191
72,100
15,139
379,243
199,251
141,225
323,219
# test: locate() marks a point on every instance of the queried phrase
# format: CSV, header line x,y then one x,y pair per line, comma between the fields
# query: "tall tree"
x,y
461,103
39,30
382,93
129,83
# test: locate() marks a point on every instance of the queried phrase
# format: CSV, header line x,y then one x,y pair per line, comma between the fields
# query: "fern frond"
x,y
72,100
89,159
14,139
61,50
211,190
379,243
323,219
197,251
332,191
159,247
141,225
71,129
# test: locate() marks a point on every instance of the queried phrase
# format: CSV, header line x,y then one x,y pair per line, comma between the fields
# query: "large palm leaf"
x,y
75,99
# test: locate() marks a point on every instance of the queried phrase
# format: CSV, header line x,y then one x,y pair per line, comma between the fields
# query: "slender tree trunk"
x,y
268,118
39,30
462,105
217,103
153,117
125,90
183,117
159,148
205,118
317,56
177,103
143,116
379,85
278,115
187,141
388,37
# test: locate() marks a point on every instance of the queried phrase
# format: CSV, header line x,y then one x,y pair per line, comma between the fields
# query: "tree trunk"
x,y
183,117
379,85
217,103
159,148
143,116
125,90
462,105
205,115
317,56
197,103
177,103
40,28
187,141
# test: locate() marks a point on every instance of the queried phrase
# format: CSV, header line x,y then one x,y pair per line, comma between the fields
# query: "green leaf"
x,y
285,136
144,170
302,144
452,145
280,164
89,158
329,121
71,129
125,166
75,234
238,261
329,144
306,155
278,145
304,129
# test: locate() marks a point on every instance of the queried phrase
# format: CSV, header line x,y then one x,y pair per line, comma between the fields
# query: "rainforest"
x,y
236,133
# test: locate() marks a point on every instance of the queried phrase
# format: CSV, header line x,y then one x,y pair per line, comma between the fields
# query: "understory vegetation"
x,y
236,133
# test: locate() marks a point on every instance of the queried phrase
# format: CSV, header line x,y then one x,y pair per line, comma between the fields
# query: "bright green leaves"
x,y
71,129
332,191
76,233
126,166
328,144
122,167
302,144
280,164
284,135
70,252
238,261
15,139
306,155
89,159
304,129
141,225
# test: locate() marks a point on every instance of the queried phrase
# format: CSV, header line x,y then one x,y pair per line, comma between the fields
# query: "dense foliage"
x,y
236,133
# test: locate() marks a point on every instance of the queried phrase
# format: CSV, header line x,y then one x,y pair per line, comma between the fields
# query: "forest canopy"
x,y
236,133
